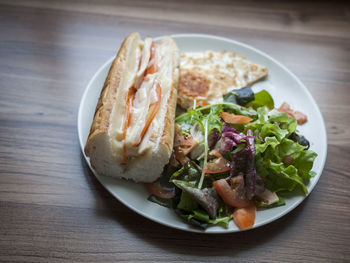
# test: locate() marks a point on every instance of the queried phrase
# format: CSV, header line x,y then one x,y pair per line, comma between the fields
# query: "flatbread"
x,y
206,76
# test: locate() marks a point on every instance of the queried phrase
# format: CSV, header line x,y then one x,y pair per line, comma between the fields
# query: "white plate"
x,y
283,86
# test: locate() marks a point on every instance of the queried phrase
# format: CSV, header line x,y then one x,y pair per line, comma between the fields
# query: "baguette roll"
x,y
132,132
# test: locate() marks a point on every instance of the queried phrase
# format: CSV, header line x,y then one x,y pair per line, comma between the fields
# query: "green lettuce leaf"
x,y
198,115
188,173
161,201
262,98
281,178
207,198
280,202
274,128
304,164
187,203
200,207
200,218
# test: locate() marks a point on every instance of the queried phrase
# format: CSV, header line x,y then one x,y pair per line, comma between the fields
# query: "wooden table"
x,y
51,207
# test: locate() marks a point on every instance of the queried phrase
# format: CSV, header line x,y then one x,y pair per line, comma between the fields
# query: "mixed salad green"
x,y
231,158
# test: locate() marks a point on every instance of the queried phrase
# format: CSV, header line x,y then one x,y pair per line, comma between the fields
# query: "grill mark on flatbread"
x,y
194,84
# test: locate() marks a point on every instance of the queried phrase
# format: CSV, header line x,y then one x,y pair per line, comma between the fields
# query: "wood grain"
x,y
51,207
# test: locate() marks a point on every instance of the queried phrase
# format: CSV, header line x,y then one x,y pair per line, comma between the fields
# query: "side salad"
x,y
232,158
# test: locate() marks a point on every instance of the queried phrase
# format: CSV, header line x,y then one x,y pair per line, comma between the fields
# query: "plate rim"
x,y
192,229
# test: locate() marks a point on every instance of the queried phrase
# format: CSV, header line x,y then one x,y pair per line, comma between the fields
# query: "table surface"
x,y
52,209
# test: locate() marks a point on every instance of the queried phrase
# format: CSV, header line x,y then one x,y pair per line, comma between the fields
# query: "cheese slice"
x,y
141,104
127,81
146,95
206,76
145,56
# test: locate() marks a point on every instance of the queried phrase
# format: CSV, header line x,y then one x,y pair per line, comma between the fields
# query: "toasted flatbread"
x,y
207,76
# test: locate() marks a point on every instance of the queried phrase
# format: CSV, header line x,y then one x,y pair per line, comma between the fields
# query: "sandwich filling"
x,y
138,108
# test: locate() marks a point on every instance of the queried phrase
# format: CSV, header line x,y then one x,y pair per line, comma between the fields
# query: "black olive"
x,y
300,139
245,95
240,96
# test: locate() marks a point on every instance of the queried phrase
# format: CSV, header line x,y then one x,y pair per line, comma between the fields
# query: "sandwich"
x,y
206,76
132,132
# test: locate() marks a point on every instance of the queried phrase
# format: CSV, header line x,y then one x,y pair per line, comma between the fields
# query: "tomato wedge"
x,y
152,112
245,217
219,165
284,107
229,195
156,189
299,116
235,119
129,102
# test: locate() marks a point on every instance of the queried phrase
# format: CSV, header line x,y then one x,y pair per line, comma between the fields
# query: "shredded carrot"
x,y
235,119
152,112
299,116
153,66
153,108
129,102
